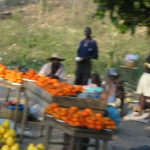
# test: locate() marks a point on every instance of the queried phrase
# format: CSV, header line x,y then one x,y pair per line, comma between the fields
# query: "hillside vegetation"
x,y
30,36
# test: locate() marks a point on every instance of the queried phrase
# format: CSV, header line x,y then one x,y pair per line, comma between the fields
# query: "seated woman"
x,y
93,90
54,68
142,111
114,89
143,88
113,95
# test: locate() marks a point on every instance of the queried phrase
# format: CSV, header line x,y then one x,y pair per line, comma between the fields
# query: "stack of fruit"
x,y
2,70
31,74
8,139
13,76
52,86
57,88
82,118
35,147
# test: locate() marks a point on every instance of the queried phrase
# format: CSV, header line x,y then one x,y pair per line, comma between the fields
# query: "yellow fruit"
x,y
5,147
35,148
6,124
30,146
11,132
10,141
16,146
40,146
6,135
2,130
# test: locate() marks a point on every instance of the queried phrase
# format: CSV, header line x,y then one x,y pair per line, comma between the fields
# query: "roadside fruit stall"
x,y
79,118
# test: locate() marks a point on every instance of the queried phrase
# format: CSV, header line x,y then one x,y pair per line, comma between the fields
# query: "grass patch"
x,y
29,38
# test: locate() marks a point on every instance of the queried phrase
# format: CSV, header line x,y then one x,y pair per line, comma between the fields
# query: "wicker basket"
x,y
130,64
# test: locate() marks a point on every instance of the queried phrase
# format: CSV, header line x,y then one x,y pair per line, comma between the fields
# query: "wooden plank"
x,y
47,137
79,132
6,84
81,103
71,143
32,87
67,143
36,99
64,101
104,145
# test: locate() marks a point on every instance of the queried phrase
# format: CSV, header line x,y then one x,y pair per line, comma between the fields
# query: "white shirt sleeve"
x,y
46,69
61,73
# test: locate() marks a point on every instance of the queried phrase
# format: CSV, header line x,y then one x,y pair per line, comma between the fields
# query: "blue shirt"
x,y
114,114
88,49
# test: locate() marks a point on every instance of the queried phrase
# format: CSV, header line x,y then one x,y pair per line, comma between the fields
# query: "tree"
x,y
126,14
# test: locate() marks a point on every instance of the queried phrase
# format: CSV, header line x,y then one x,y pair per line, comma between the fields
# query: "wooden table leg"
x,y
96,144
7,94
24,118
47,136
104,145
42,126
78,144
71,143
18,94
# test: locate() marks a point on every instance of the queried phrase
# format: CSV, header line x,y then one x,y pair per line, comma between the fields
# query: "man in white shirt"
x,y
54,68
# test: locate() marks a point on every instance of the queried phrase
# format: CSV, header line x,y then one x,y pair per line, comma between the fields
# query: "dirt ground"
x,y
130,134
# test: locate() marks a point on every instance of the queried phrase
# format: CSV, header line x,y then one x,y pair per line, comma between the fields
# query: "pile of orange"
x,y
52,86
57,88
2,70
31,74
82,118
13,76
10,75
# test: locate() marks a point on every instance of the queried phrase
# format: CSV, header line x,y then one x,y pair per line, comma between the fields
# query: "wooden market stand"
x,y
19,89
44,98
76,133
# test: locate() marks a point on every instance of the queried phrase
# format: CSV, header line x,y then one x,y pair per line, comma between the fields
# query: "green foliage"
x,y
126,14
29,38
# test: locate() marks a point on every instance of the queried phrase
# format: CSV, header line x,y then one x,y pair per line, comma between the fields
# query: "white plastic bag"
x,y
37,111
131,57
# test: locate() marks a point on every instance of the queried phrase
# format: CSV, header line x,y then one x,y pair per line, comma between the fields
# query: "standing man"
x,y
87,50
